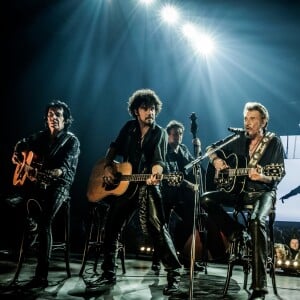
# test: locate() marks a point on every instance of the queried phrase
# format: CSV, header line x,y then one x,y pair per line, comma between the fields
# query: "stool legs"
x,y
24,245
95,229
242,255
271,258
238,254
67,238
203,233
65,245
88,240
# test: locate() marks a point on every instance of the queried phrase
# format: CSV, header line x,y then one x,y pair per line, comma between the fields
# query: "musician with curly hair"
x,y
142,143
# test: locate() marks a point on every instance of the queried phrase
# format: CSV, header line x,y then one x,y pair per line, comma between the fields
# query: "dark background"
x,y
94,54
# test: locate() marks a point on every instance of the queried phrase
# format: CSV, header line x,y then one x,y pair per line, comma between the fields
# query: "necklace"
x,y
144,132
252,147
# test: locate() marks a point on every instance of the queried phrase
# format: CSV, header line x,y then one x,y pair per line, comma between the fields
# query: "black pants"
x,y
213,203
50,202
149,202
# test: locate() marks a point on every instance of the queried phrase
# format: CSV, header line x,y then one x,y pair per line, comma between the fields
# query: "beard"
x,y
148,121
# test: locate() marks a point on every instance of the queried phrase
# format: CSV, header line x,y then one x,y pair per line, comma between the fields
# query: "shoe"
x,y
171,289
155,267
37,282
14,200
198,267
257,295
103,281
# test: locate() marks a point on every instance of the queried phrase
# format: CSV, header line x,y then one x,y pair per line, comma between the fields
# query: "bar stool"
x,y
26,244
95,236
240,254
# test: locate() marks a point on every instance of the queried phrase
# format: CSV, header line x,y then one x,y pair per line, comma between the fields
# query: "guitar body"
x,y
30,168
233,179
21,171
98,190
222,180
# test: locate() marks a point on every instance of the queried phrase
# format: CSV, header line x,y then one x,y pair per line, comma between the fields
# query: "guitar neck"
x,y
245,171
238,172
144,177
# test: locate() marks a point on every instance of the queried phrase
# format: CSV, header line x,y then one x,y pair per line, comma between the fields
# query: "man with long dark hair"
x,y
54,153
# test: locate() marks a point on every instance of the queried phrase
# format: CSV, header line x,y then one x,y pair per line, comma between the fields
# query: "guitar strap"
x,y
60,144
262,146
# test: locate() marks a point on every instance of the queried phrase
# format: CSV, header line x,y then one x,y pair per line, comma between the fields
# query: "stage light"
x,y
146,250
189,31
205,44
295,264
147,2
169,14
287,262
201,42
279,262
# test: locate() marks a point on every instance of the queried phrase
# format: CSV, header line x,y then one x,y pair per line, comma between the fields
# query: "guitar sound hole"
x,y
110,187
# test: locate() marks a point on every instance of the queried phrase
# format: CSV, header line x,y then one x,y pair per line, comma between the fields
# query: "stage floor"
x,y
138,283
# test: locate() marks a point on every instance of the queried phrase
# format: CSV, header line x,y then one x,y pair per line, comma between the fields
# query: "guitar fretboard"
x,y
144,177
273,169
238,172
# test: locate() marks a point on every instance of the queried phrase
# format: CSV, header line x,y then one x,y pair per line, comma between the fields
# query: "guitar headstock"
x,y
174,179
275,171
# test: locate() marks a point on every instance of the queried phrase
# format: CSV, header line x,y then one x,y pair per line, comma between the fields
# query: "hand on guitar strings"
x,y
109,177
17,158
219,164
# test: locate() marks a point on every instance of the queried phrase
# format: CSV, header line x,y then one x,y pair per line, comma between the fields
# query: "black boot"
x,y
173,278
37,282
106,280
257,295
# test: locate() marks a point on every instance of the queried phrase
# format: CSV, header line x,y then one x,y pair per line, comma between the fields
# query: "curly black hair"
x,y
145,97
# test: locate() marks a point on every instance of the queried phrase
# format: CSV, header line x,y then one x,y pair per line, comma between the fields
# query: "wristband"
x,y
213,160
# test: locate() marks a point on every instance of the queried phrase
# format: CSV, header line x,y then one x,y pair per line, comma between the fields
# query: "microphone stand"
x,y
215,147
198,183
196,165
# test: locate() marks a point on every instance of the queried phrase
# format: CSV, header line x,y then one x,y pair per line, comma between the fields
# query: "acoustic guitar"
x,y
29,168
233,179
98,190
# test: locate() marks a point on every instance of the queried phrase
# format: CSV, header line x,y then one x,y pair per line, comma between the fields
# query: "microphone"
x,y
236,130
